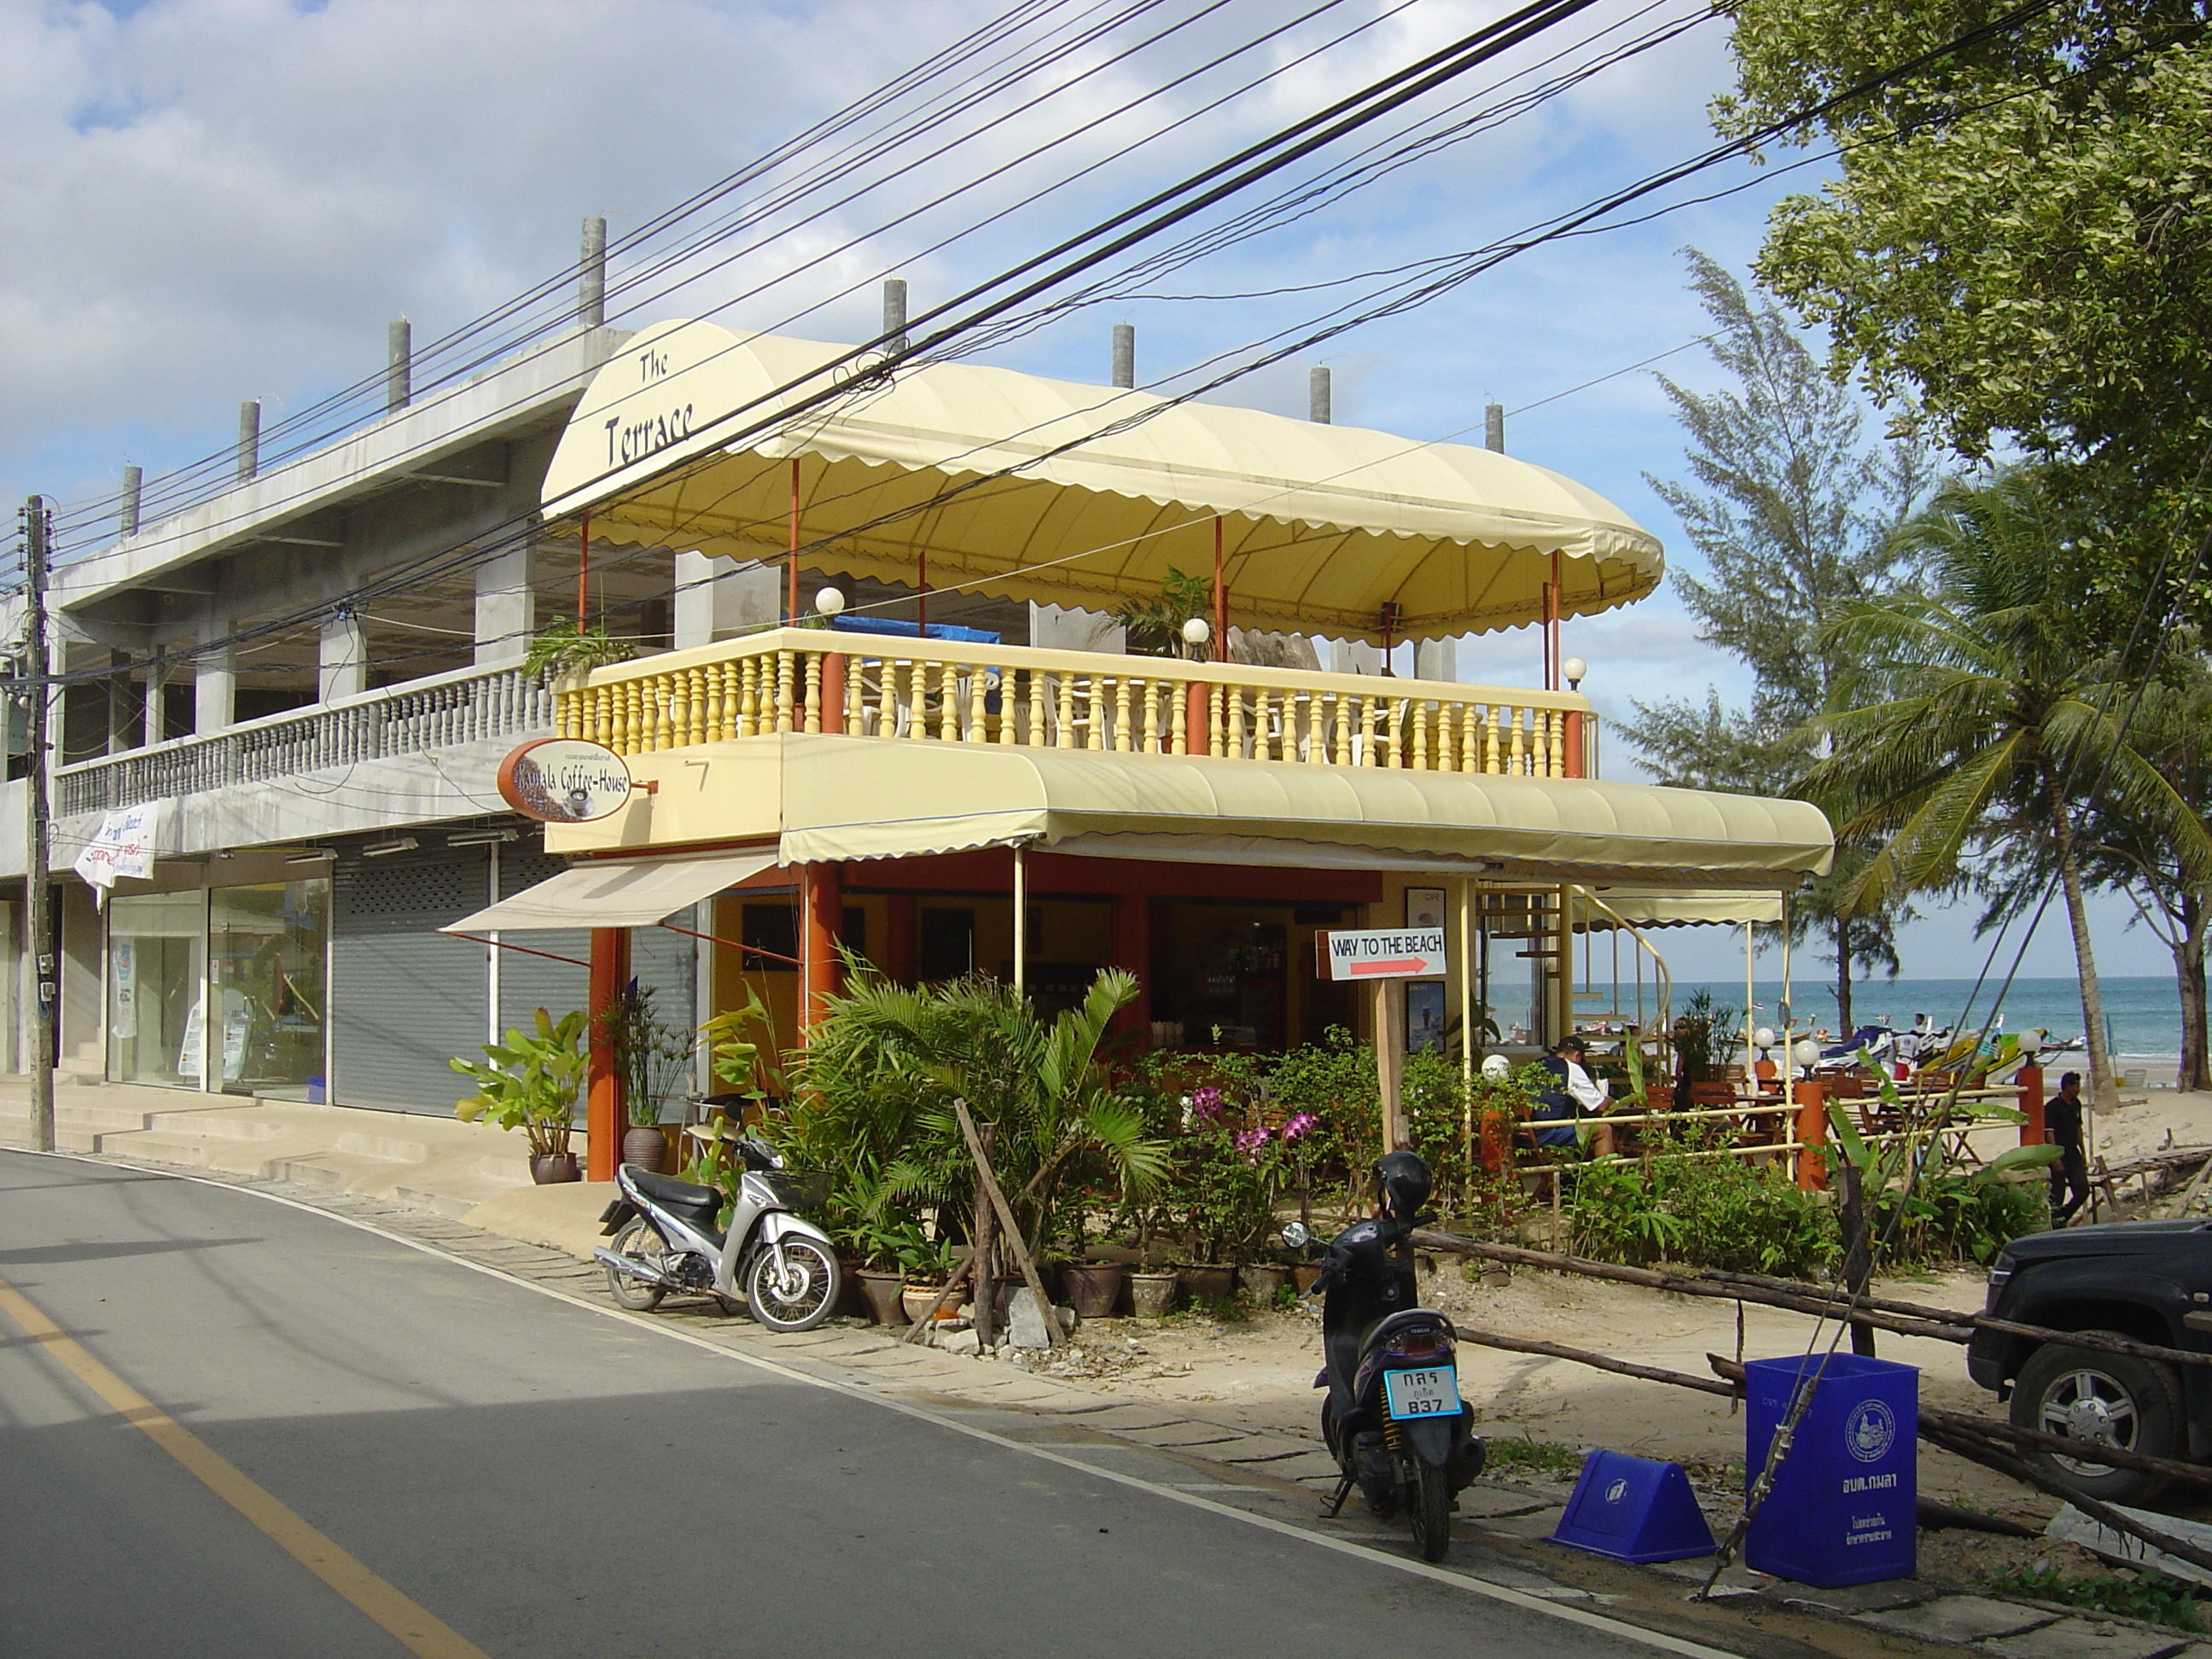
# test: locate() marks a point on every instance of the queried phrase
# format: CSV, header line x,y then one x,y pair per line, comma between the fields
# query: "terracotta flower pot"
x,y
919,1299
881,1291
1208,1282
1094,1287
647,1148
1304,1274
552,1168
1263,1280
1153,1294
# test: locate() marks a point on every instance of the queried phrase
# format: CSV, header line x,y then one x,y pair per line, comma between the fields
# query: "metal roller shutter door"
x,y
405,998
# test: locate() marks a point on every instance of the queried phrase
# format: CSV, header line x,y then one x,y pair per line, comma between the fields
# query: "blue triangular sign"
x,y
1634,1509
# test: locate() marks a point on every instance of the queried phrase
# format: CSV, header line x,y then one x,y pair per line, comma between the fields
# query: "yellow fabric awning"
x,y
844,798
627,893
1650,909
1323,525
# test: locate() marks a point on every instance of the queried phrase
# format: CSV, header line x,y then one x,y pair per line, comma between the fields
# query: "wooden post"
x,y
791,559
1389,1062
2030,1079
1812,1098
822,905
1018,1245
1021,921
985,1285
1220,598
603,1102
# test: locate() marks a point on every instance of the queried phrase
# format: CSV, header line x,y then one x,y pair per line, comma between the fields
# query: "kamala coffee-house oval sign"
x,y
564,780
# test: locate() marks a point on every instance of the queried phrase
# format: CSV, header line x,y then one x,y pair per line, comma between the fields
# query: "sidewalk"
x,y
438,1164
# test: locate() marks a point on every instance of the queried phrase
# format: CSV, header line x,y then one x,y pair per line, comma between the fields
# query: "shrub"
x,y
1701,1212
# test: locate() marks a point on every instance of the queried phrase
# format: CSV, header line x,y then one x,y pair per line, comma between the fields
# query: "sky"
x,y
212,200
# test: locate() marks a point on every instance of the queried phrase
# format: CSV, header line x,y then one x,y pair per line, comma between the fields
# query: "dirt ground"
x,y
1542,1412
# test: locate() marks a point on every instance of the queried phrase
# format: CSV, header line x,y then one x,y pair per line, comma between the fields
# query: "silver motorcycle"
x,y
665,1238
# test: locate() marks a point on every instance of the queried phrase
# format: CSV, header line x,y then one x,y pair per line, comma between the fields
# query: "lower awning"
x,y
1650,909
624,893
843,799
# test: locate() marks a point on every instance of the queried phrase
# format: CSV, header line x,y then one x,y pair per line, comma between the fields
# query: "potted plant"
x,y
652,1058
531,1084
926,1264
878,1242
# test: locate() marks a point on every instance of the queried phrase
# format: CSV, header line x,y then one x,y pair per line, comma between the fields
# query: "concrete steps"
x,y
435,1162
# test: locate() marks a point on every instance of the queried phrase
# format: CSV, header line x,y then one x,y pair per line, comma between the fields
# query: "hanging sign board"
x,y
1380,953
123,846
564,780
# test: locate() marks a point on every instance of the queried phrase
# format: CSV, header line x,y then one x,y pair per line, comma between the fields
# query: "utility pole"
x,y
38,927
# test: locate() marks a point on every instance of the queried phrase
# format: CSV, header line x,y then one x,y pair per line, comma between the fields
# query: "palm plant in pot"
x,y
652,1058
530,1083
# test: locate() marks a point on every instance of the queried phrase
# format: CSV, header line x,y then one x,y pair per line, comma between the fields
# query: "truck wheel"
x,y
2114,1399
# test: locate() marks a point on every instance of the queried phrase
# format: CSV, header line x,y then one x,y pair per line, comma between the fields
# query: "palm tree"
x,y
1998,714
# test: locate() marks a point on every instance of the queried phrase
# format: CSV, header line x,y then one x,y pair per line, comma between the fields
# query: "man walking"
x,y
2061,1127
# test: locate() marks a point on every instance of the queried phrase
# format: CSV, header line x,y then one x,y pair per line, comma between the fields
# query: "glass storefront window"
x,y
269,955
156,960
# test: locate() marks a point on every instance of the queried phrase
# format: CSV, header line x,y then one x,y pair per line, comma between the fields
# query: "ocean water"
x,y
2143,1015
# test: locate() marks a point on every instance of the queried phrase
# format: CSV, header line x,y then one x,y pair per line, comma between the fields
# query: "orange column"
x,y
833,691
1812,1098
602,1108
1193,718
2030,1079
821,919
1572,761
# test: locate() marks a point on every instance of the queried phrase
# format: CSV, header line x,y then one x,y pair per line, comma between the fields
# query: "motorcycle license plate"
x,y
1431,1393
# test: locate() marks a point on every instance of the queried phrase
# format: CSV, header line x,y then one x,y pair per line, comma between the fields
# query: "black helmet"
x,y
1402,1184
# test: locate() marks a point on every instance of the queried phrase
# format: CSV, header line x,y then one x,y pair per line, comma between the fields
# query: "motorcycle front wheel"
x,y
1429,1504
640,1242
799,1296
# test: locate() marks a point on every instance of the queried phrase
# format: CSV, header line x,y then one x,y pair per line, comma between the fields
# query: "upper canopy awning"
x,y
1661,908
630,893
1322,524
843,799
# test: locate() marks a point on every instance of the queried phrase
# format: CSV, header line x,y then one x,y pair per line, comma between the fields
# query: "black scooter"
x,y
1393,1418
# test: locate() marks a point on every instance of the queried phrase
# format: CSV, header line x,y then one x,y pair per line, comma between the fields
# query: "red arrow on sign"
x,y
1394,965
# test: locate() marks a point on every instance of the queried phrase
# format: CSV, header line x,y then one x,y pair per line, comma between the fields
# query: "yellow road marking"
x,y
420,1631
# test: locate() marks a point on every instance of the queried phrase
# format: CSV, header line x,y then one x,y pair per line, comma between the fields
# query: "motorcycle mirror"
x,y
1296,1235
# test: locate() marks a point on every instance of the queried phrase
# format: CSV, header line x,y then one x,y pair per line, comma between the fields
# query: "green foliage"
x,y
1156,625
1535,1456
565,647
652,1058
2016,241
875,1090
1703,1032
532,1082
1979,709
1702,1212
741,1050
2153,1597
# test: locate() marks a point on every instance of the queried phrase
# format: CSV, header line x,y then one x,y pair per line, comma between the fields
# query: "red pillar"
x,y
1193,718
821,918
902,937
1574,758
602,1108
2030,1079
1132,948
833,691
1812,1098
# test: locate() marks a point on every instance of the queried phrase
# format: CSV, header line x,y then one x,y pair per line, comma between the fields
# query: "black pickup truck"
x,y
2151,1280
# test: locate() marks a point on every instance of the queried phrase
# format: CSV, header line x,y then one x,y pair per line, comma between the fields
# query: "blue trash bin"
x,y
1843,1509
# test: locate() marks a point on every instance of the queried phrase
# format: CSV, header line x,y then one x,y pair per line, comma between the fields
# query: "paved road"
x,y
546,1481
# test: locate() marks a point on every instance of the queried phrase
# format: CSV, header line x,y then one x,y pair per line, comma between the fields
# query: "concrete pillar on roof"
x,y
249,439
342,657
125,717
506,611
1436,659
214,684
717,596
156,728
